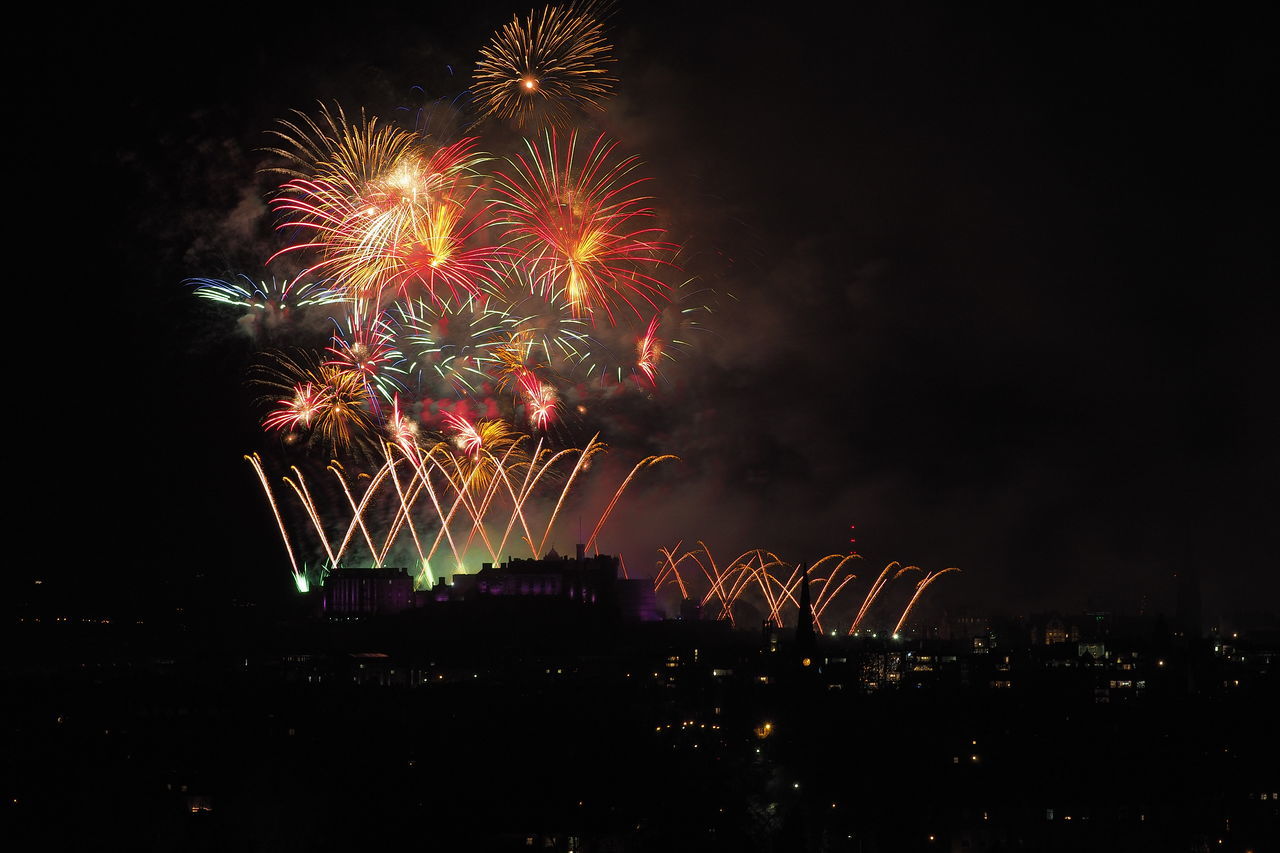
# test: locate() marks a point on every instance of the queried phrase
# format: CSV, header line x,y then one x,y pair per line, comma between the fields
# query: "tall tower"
x,y
806,638
1189,607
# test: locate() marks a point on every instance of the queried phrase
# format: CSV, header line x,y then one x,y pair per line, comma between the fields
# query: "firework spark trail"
x,y
648,351
403,431
744,575
776,581
445,519
454,347
468,437
371,489
403,514
460,495
424,479
671,571
827,595
870,597
740,573
377,208
540,400
525,489
461,500
824,598
309,505
256,461
374,256
404,511
717,579
876,589
928,579
643,463
357,513
480,511
296,411
593,446
784,592
335,146
367,348
540,323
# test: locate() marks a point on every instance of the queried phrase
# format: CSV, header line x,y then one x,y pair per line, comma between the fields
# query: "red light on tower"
x,y
851,538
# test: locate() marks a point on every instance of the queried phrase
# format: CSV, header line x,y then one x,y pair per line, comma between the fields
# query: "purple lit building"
x,y
351,593
587,580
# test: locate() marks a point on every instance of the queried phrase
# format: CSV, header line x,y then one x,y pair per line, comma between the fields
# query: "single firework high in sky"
x,y
538,70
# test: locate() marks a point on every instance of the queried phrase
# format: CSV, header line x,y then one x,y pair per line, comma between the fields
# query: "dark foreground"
x,y
641,743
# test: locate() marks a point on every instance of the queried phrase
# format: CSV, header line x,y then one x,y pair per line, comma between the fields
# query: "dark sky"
x,y
1002,293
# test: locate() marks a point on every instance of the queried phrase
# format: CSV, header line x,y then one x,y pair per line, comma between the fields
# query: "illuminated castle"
x,y
591,581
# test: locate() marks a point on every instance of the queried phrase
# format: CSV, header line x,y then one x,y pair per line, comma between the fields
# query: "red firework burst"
x,y
576,219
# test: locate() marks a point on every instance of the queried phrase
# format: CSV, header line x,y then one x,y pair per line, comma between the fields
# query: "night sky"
x,y
1001,290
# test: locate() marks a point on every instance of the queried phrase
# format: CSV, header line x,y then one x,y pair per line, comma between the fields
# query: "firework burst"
x,y
542,323
540,400
539,68
480,446
402,430
384,208
574,215
452,347
367,348
327,402
272,297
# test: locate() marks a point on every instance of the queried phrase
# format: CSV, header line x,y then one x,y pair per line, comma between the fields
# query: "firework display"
x,y
479,303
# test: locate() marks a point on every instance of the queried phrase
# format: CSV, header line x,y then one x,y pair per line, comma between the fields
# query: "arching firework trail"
x,y
475,488
575,216
774,584
876,589
538,69
928,579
